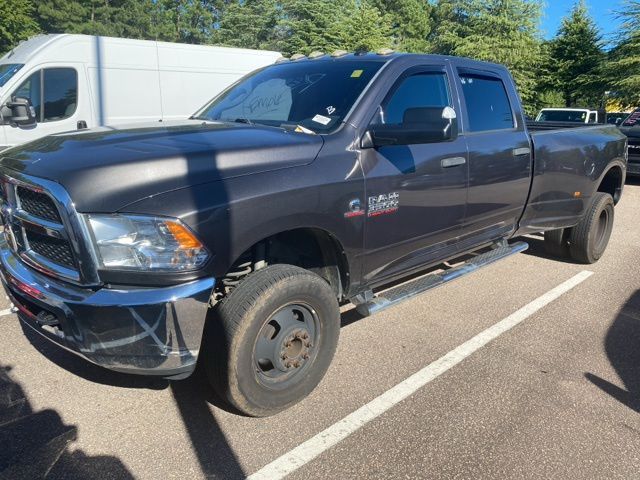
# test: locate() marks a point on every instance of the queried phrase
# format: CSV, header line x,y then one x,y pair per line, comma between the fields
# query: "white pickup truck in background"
x,y
573,115
56,83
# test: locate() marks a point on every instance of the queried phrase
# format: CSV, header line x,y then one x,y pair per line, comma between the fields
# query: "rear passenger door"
x,y
499,156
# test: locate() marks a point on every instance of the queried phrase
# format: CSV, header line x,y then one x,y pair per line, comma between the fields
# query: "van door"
x,y
57,100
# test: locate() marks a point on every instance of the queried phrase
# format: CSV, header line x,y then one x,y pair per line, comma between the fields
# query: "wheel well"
x,y
612,183
310,248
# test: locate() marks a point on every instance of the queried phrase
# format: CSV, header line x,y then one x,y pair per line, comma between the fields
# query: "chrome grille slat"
x,y
37,204
47,232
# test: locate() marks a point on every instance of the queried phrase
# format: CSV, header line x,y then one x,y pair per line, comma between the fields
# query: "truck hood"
x,y
631,132
108,168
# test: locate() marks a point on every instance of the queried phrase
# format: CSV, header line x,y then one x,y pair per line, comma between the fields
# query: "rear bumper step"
x,y
422,284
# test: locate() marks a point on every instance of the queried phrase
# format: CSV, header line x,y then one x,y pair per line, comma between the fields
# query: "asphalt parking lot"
x,y
555,396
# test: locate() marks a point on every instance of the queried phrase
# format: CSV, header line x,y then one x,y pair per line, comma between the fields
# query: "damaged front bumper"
x,y
148,331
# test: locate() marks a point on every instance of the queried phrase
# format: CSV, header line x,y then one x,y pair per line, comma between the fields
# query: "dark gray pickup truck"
x,y
232,238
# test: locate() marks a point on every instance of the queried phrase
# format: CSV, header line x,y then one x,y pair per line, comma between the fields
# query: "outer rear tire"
x,y
280,315
590,237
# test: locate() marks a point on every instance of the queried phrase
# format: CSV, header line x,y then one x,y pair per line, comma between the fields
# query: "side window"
x,y
416,91
31,90
592,117
60,93
487,103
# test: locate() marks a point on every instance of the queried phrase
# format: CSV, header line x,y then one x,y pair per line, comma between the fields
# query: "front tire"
x,y
590,237
271,340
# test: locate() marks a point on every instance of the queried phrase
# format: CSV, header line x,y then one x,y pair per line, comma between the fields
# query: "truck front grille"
x,y
56,250
36,224
38,204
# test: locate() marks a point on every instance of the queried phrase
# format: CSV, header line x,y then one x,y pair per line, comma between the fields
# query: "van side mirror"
x,y
22,113
419,125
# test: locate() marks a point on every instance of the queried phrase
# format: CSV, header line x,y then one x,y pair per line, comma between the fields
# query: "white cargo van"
x,y
56,83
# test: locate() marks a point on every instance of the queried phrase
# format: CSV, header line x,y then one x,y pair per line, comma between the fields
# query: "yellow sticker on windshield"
x,y
356,73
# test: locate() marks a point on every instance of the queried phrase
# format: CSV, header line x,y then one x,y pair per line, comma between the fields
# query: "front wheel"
x,y
272,339
590,237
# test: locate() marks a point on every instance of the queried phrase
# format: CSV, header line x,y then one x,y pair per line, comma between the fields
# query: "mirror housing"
x,y
22,113
419,126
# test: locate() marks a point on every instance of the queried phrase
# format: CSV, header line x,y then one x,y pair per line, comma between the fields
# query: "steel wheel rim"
x,y
286,345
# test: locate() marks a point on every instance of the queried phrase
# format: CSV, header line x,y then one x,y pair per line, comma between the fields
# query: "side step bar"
x,y
420,285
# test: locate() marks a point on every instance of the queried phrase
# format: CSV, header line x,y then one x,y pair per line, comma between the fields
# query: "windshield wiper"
x,y
243,120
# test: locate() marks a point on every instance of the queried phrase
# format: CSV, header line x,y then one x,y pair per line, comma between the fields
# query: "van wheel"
x,y
556,242
272,339
589,239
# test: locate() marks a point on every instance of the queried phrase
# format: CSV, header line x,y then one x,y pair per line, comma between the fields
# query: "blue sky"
x,y
602,11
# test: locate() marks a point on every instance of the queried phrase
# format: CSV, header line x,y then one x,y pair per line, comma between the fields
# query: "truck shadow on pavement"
x,y
622,345
193,398
35,444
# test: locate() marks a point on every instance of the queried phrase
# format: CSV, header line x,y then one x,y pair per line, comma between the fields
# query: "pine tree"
x,y
363,28
411,23
16,22
502,31
576,59
118,18
623,69
309,25
250,24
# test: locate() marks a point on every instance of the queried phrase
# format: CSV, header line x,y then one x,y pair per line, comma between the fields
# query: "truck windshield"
x,y
7,71
312,94
579,116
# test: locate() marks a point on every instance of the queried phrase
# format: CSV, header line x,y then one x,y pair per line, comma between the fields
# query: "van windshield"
x,y
7,71
313,94
563,116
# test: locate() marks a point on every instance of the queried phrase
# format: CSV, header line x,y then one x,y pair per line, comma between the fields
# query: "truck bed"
x,y
568,164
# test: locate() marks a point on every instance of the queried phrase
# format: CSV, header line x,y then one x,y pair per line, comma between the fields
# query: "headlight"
x,y
132,242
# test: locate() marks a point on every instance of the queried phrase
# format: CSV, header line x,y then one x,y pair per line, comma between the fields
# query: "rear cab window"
x,y
487,102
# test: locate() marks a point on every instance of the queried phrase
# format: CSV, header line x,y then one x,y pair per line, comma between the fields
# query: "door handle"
x,y
81,124
453,162
517,152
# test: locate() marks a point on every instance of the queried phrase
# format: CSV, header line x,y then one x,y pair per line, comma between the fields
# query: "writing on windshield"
x,y
315,94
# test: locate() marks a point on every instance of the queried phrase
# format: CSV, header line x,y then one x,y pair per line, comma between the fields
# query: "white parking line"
x,y
307,451
6,311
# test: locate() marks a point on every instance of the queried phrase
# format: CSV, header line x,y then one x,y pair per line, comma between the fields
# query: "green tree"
x,y
309,25
119,18
623,69
502,31
187,21
16,22
577,59
250,24
411,23
363,28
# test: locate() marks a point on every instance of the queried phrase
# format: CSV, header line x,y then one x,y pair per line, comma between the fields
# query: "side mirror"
x,y
419,126
22,113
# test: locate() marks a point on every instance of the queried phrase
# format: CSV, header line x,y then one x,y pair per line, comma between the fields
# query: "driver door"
x,y
416,194
53,94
